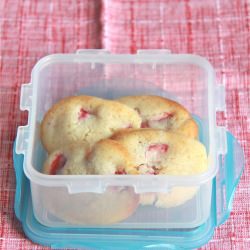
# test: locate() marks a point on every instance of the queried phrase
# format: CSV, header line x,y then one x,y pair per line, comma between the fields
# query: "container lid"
x,y
224,185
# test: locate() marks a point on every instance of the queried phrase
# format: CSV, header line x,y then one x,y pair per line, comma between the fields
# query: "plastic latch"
x,y
221,140
26,96
230,170
153,51
92,51
220,97
22,139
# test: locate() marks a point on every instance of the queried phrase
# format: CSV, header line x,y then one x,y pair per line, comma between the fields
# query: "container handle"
x,y
231,167
220,97
26,96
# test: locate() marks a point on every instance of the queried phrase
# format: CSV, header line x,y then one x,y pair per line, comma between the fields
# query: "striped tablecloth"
x,y
218,30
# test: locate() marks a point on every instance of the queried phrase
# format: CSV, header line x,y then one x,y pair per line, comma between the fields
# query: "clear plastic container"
x,y
69,201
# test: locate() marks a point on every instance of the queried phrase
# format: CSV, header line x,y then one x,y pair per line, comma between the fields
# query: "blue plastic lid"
x,y
231,168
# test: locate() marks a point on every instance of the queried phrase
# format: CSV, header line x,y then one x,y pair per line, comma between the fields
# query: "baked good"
x,y
109,207
87,135
110,157
164,153
174,197
84,119
161,152
161,113
106,157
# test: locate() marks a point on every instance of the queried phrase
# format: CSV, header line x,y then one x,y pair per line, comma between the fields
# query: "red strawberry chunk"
x,y
120,171
156,170
164,116
145,124
57,164
161,148
83,114
154,154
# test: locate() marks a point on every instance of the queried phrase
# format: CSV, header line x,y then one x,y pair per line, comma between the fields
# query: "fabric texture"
x,y
218,30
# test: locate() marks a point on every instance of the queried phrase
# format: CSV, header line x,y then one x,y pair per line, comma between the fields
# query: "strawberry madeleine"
x,y
84,119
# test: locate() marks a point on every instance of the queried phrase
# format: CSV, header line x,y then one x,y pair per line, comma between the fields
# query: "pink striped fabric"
x,y
218,30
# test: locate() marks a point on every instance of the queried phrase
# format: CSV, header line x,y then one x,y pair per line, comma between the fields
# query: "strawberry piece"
x,y
161,148
57,164
154,154
145,124
164,116
83,114
120,171
156,170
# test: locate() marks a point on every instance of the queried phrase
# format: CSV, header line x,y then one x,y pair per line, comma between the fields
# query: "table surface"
x,y
218,30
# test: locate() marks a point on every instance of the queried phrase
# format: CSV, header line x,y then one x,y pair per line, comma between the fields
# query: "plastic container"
x,y
59,201
224,186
